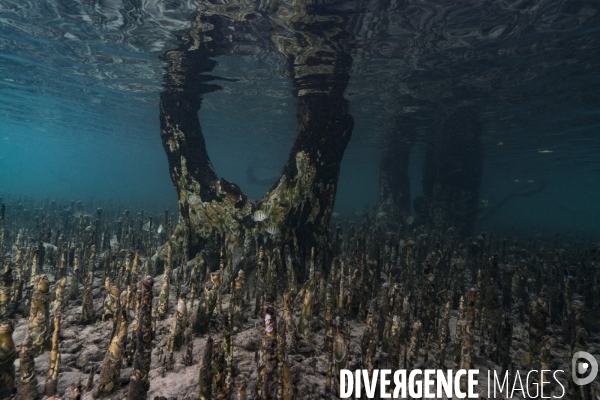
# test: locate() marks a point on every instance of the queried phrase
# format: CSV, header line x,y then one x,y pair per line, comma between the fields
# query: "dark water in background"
x,y
79,86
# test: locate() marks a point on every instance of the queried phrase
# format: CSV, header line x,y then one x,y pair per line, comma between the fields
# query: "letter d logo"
x,y
581,367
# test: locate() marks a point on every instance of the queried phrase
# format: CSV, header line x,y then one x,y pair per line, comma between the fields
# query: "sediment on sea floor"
x,y
271,322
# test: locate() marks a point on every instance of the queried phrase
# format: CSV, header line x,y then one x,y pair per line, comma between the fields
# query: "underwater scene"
x,y
299,199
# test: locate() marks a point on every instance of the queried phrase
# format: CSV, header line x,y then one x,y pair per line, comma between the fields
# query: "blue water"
x,y
79,87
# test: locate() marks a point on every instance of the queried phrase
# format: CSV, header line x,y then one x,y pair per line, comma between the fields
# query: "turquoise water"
x,y
79,87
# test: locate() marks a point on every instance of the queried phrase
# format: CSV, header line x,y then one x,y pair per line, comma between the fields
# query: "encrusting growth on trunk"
x,y
6,282
39,315
52,378
87,306
58,304
180,323
267,379
27,383
204,310
237,313
112,300
443,338
139,384
206,374
8,354
111,365
163,298
74,286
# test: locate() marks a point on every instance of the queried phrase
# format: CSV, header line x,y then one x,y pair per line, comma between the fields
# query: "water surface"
x,y
80,80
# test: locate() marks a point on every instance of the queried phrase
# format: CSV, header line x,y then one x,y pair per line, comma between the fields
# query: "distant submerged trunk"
x,y
393,206
452,172
296,210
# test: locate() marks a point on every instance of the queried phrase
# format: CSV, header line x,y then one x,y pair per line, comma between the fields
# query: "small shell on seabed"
x,y
272,229
259,215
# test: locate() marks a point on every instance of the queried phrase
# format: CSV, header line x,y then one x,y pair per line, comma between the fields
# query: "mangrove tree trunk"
x,y
297,208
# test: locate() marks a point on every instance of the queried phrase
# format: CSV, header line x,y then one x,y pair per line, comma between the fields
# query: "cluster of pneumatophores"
x,y
102,305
